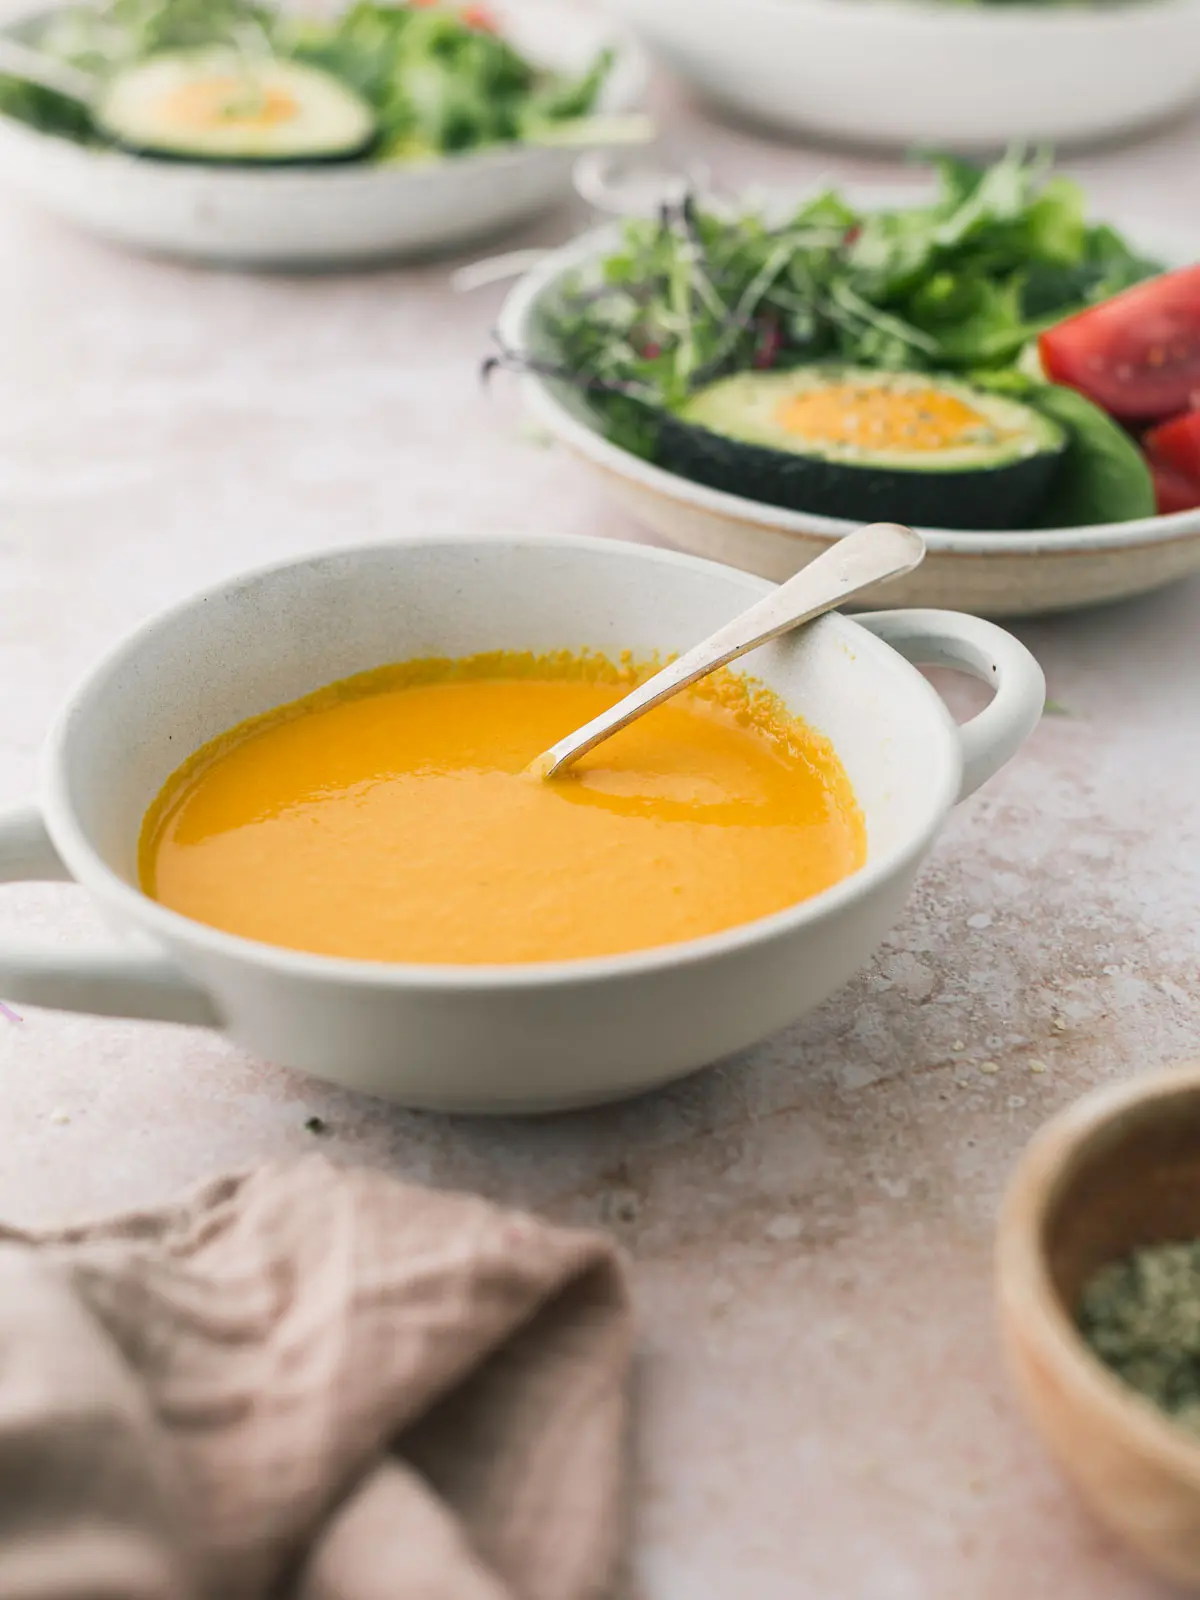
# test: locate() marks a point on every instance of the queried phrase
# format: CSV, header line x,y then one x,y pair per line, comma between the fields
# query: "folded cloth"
x,y
312,1382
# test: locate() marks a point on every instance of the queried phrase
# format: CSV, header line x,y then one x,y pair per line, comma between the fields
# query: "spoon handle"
x,y
19,60
868,556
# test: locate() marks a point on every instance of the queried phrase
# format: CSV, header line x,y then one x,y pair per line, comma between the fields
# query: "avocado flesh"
x,y
910,447
217,105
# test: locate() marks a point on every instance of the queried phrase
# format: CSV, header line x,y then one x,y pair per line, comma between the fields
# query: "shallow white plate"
x,y
332,215
1006,574
901,72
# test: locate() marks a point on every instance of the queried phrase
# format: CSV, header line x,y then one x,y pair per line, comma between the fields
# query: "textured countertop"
x,y
823,1409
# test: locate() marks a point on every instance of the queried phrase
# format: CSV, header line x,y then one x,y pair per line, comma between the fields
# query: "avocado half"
x,y
866,445
220,105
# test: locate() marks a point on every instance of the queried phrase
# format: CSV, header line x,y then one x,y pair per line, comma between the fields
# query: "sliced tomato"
x,y
1173,452
1177,444
1137,356
1174,490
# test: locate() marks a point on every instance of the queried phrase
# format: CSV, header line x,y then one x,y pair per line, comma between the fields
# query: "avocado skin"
x,y
981,498
172,158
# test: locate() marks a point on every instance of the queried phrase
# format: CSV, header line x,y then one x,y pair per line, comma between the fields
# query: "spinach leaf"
x,y
561,100
1055,225
1103,476
46,111
1104,266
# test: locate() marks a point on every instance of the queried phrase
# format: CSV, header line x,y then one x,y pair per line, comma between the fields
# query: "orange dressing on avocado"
x,y
392,817
882,419
227,102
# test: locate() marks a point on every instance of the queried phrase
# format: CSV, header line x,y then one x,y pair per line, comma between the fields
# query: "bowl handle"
x,y
986,652
106,983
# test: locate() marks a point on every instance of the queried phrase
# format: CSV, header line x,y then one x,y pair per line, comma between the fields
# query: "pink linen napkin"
x,y
312,1382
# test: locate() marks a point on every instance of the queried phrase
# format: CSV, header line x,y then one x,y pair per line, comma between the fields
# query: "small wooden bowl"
x,y
1119,1170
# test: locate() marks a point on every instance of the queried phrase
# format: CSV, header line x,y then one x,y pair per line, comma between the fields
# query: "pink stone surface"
x,y
823,1409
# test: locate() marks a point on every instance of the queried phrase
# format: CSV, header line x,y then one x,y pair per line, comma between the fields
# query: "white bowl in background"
x,y
1024,572
491,1038
959,75
342,214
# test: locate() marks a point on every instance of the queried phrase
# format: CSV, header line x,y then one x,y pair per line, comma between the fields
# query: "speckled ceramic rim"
x,y
94,874
1042,1177
940,16
514,326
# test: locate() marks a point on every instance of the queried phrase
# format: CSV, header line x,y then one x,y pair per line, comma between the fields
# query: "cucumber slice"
x,y
220,105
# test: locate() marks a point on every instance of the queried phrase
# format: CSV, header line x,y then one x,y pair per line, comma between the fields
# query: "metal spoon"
x,y
871,555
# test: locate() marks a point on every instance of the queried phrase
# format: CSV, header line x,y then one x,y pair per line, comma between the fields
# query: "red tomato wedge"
x,y
1173,451
1137,356
1174,491
1177,444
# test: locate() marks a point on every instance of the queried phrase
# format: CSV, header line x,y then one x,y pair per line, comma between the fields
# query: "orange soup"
x,y
392,817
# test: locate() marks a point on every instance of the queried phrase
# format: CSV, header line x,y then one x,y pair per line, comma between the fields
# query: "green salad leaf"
x,y
1103,477
46,111
437,78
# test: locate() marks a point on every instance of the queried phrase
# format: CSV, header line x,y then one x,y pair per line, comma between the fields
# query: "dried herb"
x,y
1141,1316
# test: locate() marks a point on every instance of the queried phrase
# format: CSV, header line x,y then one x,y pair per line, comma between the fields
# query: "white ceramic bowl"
x,y
498,1038
961,76
1005,574
325,216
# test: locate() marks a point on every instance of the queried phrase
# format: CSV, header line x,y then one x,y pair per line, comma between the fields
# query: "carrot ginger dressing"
x,y
392,817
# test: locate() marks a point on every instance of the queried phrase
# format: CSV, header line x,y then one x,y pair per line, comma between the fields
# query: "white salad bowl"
x,y
341,214
1023,572
491,1038
934,72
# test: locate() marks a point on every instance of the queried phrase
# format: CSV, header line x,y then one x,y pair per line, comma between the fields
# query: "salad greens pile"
x,y
961,285
438,83
440,79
